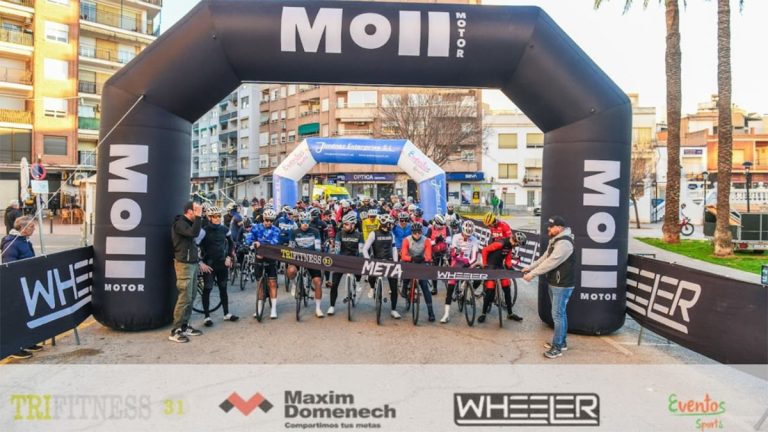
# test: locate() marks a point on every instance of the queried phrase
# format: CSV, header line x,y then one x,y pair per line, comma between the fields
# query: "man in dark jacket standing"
x,y
185,229
11,213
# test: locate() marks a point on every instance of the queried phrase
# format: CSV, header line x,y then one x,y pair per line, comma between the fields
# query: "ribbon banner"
x,y
369,267
44,296
528,253
721,318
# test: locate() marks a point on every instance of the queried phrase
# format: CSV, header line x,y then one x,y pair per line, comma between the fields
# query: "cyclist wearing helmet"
x,y
417,217
402,229
418,249
267,233
380,246
451,215
349,242
217,250
499,245
396,209
370,224
307,238
437,235
463,254
286,225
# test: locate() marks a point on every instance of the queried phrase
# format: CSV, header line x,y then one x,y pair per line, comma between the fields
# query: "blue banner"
x,y
465,176
286,191
363,178
355,150
432,196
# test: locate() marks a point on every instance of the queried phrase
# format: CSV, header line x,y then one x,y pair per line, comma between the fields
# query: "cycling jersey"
x,y
380,245
286,226
349,244
266,235
369,227
248,238
417,251
464,246
215,243
309,239
400,233
501,235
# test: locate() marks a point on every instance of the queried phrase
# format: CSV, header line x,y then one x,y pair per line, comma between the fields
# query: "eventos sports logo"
x,y
705,407
246,407
526,409
372,31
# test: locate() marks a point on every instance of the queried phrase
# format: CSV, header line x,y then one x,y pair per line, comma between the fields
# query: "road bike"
x,y
686,227
351,299
262,289
413,300
303,286
215,300
248,269
378,287
465,299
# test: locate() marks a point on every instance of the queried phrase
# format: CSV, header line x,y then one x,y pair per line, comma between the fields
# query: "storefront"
x,y
374,185
467,188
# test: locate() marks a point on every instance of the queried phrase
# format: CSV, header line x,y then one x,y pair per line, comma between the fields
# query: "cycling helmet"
x,y
467,228
363,214
455,224
520,238
450,207
373,212
269,215
385,219
489,219
269,206
231,206
305,217
214,211
349,218
412,207
417,227
439,220
397,206
315,212
206,206
247,224
294,213
418,212
403,216
344,203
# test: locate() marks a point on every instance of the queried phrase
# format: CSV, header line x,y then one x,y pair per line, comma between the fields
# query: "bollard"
x,y
51,224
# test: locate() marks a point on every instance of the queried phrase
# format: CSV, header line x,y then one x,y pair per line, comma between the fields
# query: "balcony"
x,y
87,158
13,116
88,123
25,3
15,76
532,181
354,132
16,37
89,13
347,113
90,87
114,56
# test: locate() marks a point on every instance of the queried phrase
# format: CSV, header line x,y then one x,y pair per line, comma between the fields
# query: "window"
x,y
275,94
243,143
390,100
291,136
325,130
273,161
283,92
87,111
273,116
508,171
263,139
15,144
362,99
54,107
282,137
264,118
245,102
534,140
244,163
263,161
291,112
508,141
273,139
55,145
56,69
56,32
324,105
291,89
282,114
642,136
245,123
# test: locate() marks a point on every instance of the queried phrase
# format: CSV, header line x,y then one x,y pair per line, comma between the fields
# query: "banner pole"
x,y
40,221
762,420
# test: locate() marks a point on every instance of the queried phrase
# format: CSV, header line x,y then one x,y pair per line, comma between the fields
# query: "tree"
x,y
672,60
723,239
439,124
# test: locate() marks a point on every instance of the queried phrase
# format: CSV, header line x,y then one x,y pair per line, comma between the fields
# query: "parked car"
x,y
537,211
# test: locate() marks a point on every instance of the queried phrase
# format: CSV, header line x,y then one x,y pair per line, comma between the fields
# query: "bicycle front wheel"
x,y
243,273
416,300
464,287
513,293
500,302
469,303
263,292
350,295
686,229
298,295
377,295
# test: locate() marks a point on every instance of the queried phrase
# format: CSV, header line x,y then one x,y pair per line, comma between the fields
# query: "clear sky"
x,y
630,47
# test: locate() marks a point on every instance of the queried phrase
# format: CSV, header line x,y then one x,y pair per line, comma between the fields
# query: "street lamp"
x,y
748,176
705,176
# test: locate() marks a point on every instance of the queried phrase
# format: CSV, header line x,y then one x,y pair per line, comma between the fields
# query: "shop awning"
x,y
309,128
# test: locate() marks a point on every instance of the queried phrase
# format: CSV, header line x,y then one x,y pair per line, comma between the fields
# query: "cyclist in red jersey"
x,y
500,246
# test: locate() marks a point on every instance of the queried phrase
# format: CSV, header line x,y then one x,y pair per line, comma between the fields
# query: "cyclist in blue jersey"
x,y
402,229
267,233
307,238
286,225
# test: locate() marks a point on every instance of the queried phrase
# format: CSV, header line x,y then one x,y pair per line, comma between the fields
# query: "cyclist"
x,y
217,250
286,225
396,209
370,224
267,233
308,238
380,246
451,215
418,216
463,254
418,249
349,242
402,229
499,246
437,235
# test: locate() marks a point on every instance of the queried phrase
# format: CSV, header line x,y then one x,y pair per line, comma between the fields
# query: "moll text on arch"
x,y
601,228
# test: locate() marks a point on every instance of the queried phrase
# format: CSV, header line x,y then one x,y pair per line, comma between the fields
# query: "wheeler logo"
x,y
246,407
526,409
64,291
664,299
372,31
705,407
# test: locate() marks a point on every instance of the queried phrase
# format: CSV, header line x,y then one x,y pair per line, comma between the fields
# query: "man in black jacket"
x,y
11,213
185,229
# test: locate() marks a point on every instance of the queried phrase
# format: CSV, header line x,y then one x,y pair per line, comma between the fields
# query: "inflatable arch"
x,y
402,153
149,105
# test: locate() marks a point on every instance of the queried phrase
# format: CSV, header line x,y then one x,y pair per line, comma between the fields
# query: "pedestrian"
x,y
11,213
16,246
186,227
558,264
501,207
495,203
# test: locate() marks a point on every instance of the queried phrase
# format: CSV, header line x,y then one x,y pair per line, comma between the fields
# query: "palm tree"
x,y
673,59
723,240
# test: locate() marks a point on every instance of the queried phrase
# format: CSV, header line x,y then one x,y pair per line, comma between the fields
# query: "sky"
x,y
630,47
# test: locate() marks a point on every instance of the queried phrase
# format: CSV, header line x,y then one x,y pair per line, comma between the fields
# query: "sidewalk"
x,y
654,231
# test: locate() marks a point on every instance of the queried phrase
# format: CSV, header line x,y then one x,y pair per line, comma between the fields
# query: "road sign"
x,y
39,186
37,171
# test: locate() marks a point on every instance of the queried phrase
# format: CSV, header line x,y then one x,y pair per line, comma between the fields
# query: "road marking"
x,y
616,345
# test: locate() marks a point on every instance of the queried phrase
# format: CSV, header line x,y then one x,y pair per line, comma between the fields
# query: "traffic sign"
x,y
37,171
39,186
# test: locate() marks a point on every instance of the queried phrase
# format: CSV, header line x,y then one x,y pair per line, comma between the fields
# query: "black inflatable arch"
x,y
144,164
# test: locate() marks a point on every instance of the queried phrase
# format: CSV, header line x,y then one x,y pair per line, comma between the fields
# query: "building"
x,y
225,149
55,56
513,149
290,113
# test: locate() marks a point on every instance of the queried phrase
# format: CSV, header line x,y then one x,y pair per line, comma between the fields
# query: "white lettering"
x,y
601,227
131,181
327,22
126,245
597,257
380,36
597,296
410,33
39,290
608,171
124,269
438,43
131,220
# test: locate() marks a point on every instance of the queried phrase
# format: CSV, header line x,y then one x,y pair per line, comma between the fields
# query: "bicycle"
x,y
301,295
686,227
215,302
351,298
413,300
498,299
262,290
248,268
465,298
378,300
234,273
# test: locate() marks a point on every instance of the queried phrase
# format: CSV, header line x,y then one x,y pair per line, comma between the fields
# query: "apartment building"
x,y
513,150
55,56
225,148
290,113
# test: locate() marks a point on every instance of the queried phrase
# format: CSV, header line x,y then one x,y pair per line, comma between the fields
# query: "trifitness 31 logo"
x,y
246,407
705,407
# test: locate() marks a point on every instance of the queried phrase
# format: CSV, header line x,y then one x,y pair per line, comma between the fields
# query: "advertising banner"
x,y
355,151
366,178
528,253
417,164
432,196
44,296
721,318
297,163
